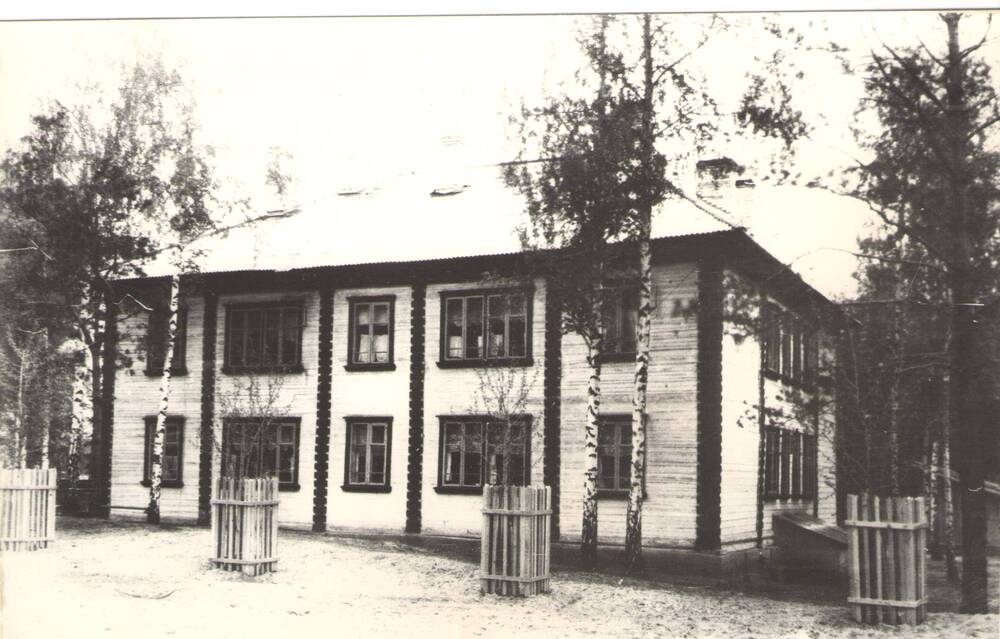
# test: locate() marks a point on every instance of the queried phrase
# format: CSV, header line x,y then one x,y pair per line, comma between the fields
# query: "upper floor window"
x,y
172,457
156,342
614,454
369,445
370,333
791,347
260,447
490,326
263,338
475,451
620,316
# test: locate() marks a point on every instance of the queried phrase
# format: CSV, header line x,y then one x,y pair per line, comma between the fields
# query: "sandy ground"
x,y
127,580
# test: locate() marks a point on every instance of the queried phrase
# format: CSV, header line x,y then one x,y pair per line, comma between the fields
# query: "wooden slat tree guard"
x,y
245,525
887,559
27,508
514,557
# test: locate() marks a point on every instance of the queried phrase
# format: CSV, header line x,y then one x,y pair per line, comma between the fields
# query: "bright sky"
x,y
402,106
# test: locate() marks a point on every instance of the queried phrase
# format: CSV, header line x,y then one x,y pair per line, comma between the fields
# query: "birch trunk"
x,y
81,419
588,537
44,410
948,530
156,458
633,516
934,542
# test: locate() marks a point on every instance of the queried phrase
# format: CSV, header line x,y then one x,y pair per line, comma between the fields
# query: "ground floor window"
x,y
789,464
369,442
262,447
173,451
614,454
476,451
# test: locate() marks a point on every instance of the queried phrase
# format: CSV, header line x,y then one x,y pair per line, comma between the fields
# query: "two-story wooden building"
x,y
374,371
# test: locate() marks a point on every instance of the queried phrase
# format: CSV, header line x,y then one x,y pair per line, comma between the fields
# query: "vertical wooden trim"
x,y
415,453
553,402
109,371
709,472
324,391
207,431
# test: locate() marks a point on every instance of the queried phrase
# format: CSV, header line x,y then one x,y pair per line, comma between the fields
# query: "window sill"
x,y
458,490
609,358
263,370
166,484
366,489
485,363
381,366
616,494
288,488
174,372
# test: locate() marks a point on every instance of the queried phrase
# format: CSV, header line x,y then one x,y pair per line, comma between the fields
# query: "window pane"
x,y
452,453
292,321
473,446
378,433
474,327
286,463
377,464
517,337
381,343
254,326
624,467
359,462
381,312
516,302
630,319
497,325
454,327
362,346
605,434
606,468
625,433
272,326
169,468
235,328
362,315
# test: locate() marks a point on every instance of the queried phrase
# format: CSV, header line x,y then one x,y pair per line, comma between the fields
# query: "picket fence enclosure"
x,y
245,525
27,508
887,540
516,542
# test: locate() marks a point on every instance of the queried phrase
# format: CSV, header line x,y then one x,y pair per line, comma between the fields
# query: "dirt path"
x,y
128,580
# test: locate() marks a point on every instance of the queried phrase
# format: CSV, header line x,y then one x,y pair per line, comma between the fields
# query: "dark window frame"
x,y
386,485
618,421
291,485
791,347
229,368
484,422
173,421
352,303
790,465
156,342
444,361
615,301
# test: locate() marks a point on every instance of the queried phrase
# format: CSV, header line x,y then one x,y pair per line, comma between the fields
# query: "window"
x,y
263,338
173,451
620,315
370,333
259,447
614,454
475,451
789,464
484,327
369,445
156,343
790,348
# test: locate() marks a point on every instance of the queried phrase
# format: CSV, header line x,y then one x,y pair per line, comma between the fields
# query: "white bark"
x,y
156,459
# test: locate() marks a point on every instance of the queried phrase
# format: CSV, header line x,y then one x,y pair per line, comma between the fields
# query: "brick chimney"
x,y
722,181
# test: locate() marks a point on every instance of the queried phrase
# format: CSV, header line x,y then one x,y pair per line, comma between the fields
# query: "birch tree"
x,y
577,195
